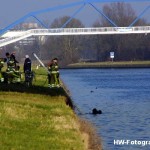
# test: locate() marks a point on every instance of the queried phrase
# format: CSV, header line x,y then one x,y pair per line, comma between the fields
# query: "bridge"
x,y
14,36
8,37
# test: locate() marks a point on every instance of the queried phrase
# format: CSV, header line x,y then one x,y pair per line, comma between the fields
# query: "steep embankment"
x,y
30,121
40,118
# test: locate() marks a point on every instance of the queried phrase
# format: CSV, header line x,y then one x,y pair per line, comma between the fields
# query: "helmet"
x,y
27,56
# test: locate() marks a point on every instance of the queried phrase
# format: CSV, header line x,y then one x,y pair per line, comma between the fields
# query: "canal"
x,y
123,95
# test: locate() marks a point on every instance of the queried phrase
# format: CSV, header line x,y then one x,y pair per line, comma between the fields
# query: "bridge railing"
x,y
99,30
91,30
73,30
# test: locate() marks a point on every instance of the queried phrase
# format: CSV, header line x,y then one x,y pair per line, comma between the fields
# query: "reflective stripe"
x,y
54,72
11,62
2,79
18,80
53,85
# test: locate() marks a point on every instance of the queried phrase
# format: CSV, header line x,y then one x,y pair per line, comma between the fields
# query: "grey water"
x,y
123,95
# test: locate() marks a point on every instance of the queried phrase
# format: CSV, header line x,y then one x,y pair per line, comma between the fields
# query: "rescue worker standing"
x,y
1,66
28,71
53,77
27,64
12,70
14,58
10,62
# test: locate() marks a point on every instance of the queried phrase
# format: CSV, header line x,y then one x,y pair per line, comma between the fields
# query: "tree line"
x,y
75,48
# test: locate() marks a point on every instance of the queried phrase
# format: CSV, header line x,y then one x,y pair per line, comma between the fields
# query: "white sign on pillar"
x,y
112,55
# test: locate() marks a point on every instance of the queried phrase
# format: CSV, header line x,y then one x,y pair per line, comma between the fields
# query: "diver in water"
x,y
95,111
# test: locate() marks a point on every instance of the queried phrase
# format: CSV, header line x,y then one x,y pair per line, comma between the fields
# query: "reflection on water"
x,y
122,95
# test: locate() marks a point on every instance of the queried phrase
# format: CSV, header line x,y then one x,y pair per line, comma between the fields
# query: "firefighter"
x,y
14,58
27,64
27,70
1,66
53,77
10,62
12,71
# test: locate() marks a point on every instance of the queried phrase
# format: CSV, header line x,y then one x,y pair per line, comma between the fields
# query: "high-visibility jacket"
x,y
11,63
1,63
53,68
54,75
1,66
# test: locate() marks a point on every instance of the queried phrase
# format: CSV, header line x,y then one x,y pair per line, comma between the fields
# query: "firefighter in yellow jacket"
x,y
53,77
1,66
13,74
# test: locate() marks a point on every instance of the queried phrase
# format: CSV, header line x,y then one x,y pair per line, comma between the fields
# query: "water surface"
x,y
123,95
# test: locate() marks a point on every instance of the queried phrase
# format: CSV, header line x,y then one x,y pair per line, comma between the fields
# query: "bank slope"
x,y
109,64
35,121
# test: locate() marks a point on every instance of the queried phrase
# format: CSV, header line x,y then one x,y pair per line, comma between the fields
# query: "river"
x,y
123,95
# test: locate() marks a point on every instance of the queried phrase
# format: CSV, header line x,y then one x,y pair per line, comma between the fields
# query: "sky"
x,y
11,10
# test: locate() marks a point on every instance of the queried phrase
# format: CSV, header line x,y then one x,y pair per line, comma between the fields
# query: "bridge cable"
x,y
40,22
103,15
39,12
143,12
79,10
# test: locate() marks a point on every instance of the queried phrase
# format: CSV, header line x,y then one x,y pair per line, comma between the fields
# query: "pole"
x,y
40,62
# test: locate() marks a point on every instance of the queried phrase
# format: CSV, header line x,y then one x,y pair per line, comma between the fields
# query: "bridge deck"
x,y
13,36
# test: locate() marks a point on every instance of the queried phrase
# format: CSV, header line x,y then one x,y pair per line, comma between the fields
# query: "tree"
x,y
66,48
121,13
126,47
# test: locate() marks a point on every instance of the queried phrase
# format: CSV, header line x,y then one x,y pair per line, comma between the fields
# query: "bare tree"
x,y
65,47
126,47
121,13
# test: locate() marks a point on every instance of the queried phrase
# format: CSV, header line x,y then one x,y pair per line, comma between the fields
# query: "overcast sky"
x,y
11,10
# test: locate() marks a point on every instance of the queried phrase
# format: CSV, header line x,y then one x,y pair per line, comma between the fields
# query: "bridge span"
x,y
14,36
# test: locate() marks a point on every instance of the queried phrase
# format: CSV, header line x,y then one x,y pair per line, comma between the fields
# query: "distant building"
x,y
27,41
27,26
30,25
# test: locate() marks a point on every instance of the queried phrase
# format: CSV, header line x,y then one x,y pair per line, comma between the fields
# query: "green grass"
x,y
34,121
37,118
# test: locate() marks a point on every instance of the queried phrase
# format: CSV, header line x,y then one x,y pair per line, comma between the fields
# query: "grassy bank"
x,y
34,121
37,118
124,64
